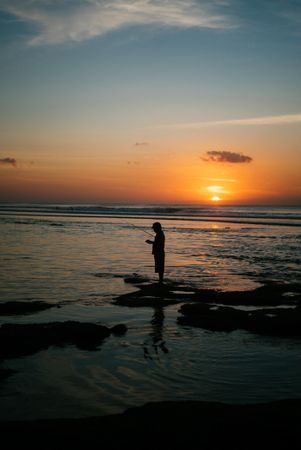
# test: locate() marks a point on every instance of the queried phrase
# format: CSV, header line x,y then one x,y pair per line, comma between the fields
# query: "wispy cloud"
x,y
291,11
226,156
226,180
215,189
264,120
60,21
141,144
8,162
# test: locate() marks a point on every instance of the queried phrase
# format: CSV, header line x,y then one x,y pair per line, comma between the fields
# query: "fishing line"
x,y
143,231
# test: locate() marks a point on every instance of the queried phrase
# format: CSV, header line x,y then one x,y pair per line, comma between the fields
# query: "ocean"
x,y
78,256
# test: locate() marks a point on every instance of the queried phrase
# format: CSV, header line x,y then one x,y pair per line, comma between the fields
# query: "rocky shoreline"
x,y
268,294
281,322
273,309
26,339
15,308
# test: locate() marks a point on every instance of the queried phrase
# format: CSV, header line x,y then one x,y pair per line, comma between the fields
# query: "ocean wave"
x,y
242,214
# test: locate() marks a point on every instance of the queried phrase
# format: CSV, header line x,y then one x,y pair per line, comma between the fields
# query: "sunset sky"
x,y
150,101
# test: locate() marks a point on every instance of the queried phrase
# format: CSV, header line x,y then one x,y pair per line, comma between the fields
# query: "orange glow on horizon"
x,y
151,174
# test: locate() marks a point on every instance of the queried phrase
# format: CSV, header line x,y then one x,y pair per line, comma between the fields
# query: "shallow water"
x,y
81,262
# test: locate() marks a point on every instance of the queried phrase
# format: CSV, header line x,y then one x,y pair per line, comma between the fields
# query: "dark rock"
x,y
5,373
25,339
155,294
272,294
284,322
206,316
15,307
119,330
136,279
177,425
213,310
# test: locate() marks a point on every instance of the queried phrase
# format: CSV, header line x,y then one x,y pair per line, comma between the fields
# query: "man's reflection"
x,y
156,334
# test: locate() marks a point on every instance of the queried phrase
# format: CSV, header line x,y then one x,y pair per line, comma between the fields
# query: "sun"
x,y
215,198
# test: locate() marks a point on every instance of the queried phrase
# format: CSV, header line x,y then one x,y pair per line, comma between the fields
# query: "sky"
x,y
150,101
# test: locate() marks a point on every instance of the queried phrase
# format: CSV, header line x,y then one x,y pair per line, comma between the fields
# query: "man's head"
x,y
157,227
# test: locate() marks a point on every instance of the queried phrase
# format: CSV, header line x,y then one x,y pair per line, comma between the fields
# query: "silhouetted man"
x,y
158,250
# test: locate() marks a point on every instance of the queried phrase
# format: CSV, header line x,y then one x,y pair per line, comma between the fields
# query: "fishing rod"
x,y
143,231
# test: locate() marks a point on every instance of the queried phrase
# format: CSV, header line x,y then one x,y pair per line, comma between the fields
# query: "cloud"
x,y
227,180
215,189
143,144
291,11
225,156
59,21
264,120
8,162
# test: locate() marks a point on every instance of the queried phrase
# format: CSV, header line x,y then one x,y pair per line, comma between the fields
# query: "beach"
x,y
190,425
89,266
127,125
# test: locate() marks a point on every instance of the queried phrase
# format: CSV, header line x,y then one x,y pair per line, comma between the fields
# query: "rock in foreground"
x,y
14,308
25,339
285,322
271,294
176,425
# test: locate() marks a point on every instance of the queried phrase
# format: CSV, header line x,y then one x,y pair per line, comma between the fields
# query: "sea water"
x,y
77,257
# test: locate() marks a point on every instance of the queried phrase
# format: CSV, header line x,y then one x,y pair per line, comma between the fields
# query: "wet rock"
x,y
13,308
155,294
136,279
119,330
272,294
285,322
25,339
206,316
219,311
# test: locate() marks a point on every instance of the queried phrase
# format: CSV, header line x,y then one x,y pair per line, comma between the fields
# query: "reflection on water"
x,y
156,334
80,263
179,364
35,254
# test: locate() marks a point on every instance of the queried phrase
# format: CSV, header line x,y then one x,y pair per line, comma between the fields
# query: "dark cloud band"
x,y
225,156
139,144
8,162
